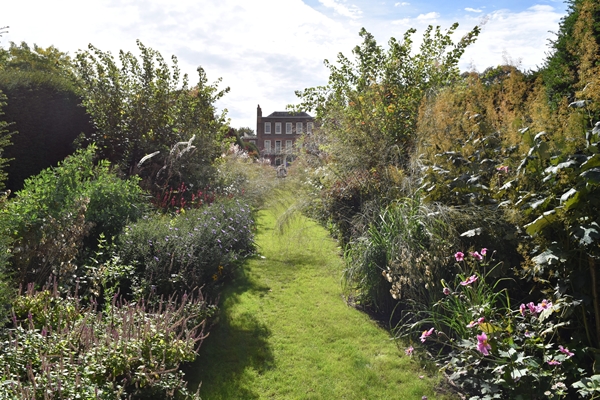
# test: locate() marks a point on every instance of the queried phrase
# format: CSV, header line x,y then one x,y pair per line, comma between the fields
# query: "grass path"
x,y
284,331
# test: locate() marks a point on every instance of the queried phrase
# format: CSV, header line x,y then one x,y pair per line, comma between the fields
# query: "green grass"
x,y
285,332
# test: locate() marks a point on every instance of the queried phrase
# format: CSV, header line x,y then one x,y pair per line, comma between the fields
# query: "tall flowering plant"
x,y
490,349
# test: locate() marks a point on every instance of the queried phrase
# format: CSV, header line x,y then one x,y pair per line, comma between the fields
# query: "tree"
x,y
370,105
144,106
579,32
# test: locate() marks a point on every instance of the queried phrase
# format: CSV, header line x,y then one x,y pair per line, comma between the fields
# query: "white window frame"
x,y
309,127
278,128
277,146
267,146
288,128
288,145
267,128
252,141
298,128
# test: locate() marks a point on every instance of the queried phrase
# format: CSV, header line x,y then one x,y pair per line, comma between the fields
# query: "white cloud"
x,y
475,10
261,52
429,16
346,11
513,35
404,3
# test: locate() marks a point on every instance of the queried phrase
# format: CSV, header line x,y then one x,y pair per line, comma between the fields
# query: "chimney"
x,y
258,111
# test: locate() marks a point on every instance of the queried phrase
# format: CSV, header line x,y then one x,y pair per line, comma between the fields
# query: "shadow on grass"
x,y
234,347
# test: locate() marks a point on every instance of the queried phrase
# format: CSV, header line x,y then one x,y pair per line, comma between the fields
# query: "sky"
x,y
265,50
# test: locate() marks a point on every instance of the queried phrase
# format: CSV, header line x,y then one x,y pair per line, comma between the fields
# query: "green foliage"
x,y
5,140
368,110
43,106
195,248
60,208
401,253
491,350
60,346
142,106
562,70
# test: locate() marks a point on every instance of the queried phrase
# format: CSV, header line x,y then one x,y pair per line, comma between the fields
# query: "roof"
x,y
288,114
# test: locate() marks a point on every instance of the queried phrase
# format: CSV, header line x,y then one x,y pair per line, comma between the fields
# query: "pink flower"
x,y
409,351
459,255
529,334
566,351
482,344
446,291
426,334
503,169
475,323
469,280
532,308
553,362
544,305
477,256
484,251
522,308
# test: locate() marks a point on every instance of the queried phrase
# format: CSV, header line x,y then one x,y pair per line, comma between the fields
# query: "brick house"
x,y
277,133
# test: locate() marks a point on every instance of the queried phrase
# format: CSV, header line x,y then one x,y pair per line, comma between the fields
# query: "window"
x,y
298,128
277,146
288,128
309,127
288,145
277,128
267,128
267,146
253,141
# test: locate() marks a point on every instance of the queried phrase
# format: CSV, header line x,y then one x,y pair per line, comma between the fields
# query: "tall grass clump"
x,y
401,253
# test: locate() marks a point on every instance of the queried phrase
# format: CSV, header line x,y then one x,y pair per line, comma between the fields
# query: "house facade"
x,y
276,134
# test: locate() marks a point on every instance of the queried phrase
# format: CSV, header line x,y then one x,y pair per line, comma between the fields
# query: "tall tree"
x,y
578,33
142,106
370,106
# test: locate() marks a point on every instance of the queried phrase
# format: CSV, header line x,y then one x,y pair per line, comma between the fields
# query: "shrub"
x,y
63,208
59,347
192,249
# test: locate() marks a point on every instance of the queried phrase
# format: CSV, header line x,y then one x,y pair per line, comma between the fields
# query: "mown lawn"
x,y
285,332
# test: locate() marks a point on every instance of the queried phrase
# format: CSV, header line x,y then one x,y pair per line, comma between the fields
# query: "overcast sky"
x,y
264,50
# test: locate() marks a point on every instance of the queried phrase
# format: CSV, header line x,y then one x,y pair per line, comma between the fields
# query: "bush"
x,y
194,248
64,208
60,347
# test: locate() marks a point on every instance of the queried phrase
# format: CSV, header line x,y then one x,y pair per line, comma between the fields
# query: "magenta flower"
x,y
469,280
566,351
553,362
544,305
409,351
426,334
484,251
475,323
482,344
503,169
522,308
532,308
477,256
446,291
459,255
